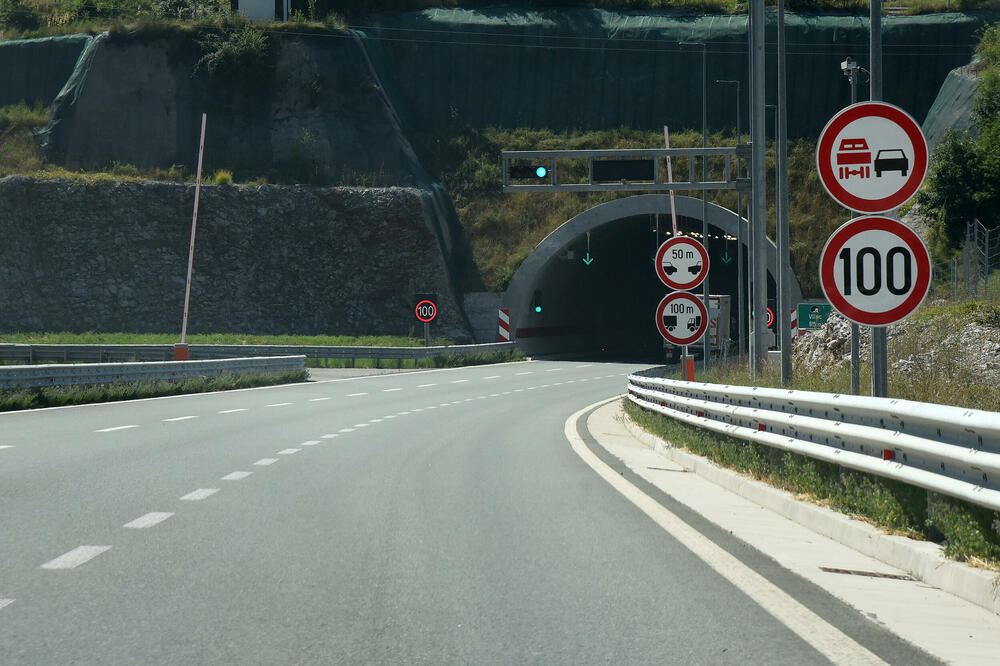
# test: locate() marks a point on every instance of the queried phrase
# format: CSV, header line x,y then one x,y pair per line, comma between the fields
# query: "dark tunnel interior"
x,y
606,309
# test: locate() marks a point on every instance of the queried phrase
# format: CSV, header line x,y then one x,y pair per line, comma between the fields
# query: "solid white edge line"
x,y
200,494
832,643
150,519
236,476
75,557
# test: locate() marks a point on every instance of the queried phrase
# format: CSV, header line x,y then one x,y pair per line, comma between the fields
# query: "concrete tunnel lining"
x,y
519,293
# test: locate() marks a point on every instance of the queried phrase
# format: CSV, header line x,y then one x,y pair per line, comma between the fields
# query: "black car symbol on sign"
x,y
695,269
669,269
891,159
670,322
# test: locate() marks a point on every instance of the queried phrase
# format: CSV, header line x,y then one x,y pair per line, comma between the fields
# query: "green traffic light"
x,y
538,308
541,171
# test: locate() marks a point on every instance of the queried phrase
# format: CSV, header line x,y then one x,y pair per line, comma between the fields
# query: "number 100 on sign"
x,y
875,270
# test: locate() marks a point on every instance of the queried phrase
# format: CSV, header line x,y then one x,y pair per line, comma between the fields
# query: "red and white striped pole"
x,y
504,325
181,350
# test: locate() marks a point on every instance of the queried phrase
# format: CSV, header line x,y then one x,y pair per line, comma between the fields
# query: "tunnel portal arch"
x,y
526,280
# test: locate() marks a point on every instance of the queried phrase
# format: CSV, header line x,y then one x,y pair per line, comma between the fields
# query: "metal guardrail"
x,y
28,376
948,450
33,353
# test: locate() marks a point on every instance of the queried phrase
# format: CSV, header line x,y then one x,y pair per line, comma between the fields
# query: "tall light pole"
x,y
704,177
741,344
758,177
781,194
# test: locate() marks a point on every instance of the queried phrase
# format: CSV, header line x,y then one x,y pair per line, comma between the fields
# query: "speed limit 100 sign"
x,y
875,270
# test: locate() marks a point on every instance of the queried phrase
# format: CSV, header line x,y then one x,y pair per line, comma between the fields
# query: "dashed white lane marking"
x,y
329,435
391,390
460,381
361,425
431,407
558,384
236,476
518,390
200,494
389,416
281,404
401,413
530,372
266,461
545,385
179,418
75,557
468,400
417,409
347,430
311,442
354,395
6,446
425,385
124,427
149,520
588,365
531,388
5,602
494,395
570,381
233,411
492,377
480,397
583,380
375,420
288,452
318,399
554,370
505,393
445,404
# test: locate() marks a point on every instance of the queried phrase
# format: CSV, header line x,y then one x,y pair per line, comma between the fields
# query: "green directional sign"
x,y
813,315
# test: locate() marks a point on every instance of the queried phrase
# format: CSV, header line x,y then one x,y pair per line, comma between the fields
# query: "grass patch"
x,y
970,533
57,396
19,151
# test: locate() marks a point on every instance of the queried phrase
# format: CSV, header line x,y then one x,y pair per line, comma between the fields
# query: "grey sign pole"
x,y
850,70
704,176
783,316
880,347
759,185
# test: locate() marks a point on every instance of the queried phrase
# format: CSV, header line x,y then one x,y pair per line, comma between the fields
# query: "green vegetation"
x,y
502,229
57,396
18,147
971,533
963,181
223,177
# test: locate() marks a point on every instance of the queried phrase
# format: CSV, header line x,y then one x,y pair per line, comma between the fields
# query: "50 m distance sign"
x,y
875,270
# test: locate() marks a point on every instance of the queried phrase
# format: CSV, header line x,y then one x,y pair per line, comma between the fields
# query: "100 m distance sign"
x,y
875,270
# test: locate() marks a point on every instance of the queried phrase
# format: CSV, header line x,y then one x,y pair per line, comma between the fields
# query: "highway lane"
x,y
431,517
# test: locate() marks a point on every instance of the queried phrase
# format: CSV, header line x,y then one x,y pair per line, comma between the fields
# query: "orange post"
x,y
180,352
689,369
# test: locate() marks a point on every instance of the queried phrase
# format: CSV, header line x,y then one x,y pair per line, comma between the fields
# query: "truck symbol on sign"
x,y
670,322
854,152
892,159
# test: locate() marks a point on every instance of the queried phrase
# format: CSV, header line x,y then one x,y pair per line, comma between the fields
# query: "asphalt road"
x,y
416,518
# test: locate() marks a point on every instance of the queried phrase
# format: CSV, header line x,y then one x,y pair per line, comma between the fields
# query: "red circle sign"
x,y
426,311
682,263
681,318
875,270
871,157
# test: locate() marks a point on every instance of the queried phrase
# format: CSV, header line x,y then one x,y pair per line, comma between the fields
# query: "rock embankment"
x,y
112,256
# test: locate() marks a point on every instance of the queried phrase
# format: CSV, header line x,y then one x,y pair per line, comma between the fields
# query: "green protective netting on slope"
x,y
34,70
592,68
952,108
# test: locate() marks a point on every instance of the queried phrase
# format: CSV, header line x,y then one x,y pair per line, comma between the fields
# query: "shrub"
x,y
223,177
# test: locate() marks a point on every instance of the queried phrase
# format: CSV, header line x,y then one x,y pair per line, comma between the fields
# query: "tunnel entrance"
x,y
559,304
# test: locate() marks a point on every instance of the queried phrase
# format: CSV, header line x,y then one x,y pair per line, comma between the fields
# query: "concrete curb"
x,y
923,560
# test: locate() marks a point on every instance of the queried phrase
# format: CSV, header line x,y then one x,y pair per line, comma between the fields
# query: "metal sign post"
x,y
427,334
180,352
